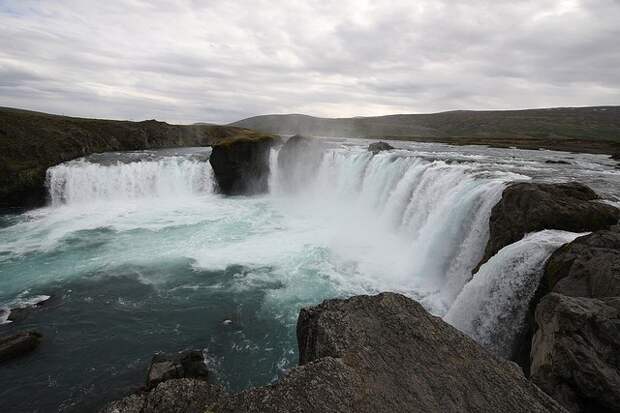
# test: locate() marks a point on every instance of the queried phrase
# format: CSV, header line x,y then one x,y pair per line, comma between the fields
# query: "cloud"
x,y
189,61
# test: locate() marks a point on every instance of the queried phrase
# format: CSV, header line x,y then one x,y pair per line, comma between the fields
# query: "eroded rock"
x,y
575,352
529,207
19,344
587,267
241,166
186,364
377,147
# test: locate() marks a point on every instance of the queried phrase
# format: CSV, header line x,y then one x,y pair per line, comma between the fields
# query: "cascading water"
x,y
83,181
145,257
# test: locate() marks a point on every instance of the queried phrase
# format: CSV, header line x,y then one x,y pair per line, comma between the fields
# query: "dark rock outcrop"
x,y
587,267
615,156
529,207
241,166
575,352
21,313
167,366
559,162
18,344
383,353
377,147
31,142
298,160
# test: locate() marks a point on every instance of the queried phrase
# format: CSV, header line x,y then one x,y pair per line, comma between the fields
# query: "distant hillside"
x,y
596,129
30,142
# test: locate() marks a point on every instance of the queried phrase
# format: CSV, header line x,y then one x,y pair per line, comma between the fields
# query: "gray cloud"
x,y
189,61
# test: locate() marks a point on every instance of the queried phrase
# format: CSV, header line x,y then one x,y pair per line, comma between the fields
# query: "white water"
x,y
493,305
355,223
82,181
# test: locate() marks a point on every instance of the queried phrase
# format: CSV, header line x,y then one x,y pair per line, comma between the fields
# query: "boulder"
x,y
366,354
19,344
377,147
241,166
587,267
185,364
575,352
298,160
529,207
22,312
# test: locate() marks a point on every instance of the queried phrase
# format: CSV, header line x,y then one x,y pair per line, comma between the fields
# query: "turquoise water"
x,y
140,255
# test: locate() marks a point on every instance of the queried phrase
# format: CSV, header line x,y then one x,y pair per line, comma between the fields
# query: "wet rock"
x,y
575,352
241,166
377,147
19,344
185,364
615,156
529,207
298,160
376,354
559,162
587,267
21,313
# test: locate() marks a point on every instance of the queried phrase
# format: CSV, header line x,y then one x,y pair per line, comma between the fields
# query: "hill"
x,y
584,129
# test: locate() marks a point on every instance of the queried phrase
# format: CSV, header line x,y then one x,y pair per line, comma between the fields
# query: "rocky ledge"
x,y
529,207
377,147
380,353
241,165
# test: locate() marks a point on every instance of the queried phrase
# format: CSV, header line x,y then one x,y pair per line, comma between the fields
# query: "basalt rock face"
x,y
241,166
31,142
18,344
298,159
377,147
529,207
575,352
587,267
376,354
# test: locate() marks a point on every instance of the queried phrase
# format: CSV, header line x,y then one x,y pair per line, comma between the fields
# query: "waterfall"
x,y
83,181
440,211
492,307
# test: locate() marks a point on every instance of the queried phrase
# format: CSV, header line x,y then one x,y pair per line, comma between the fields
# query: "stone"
x,y
377,147
587,267
18,344
241,166
575,352
529,207
185,364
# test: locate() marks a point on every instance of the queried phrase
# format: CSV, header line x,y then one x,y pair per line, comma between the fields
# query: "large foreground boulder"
x,y
383,353
19,344
575,352
529,207
241,165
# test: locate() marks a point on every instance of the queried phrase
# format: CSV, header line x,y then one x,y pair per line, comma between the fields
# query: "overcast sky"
x,y
187,61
